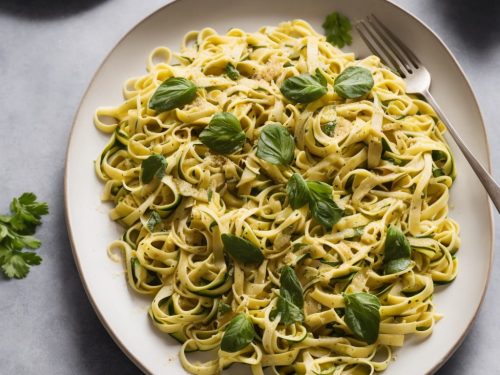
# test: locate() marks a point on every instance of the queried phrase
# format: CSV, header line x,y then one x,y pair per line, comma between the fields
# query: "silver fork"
x,y
393,52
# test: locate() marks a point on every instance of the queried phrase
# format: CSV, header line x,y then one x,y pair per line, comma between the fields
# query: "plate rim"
x,y
69,227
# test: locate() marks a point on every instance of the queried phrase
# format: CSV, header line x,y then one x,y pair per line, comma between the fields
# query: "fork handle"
x,y
486,179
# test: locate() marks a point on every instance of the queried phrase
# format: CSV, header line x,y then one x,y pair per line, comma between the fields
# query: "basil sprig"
x,y
242,250
175,92
238,334
223,134
232,72
319,197
362,315
153,166
353,82
304,88
397,252
275,145
291,299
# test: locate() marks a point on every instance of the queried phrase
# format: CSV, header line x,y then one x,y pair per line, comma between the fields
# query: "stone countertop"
x,y
49,51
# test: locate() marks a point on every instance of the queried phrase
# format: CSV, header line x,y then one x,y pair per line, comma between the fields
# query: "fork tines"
x,y
383,43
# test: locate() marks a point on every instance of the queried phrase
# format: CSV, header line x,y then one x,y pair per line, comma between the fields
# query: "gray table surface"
x,y
49,50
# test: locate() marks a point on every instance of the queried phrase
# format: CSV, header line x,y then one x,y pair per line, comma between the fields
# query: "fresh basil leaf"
x,y
319,190
232,72
289,312
362,315
153,221
353,82
223,134
319,196
291,299
323,209
291,285
153,166
297,190
304,88
396,265
327,213
321,77
329,128
210,193
238,334
338,29
397,251
242,250
275,145
175,92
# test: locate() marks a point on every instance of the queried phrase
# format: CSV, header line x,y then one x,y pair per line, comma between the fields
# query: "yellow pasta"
x,y
383,154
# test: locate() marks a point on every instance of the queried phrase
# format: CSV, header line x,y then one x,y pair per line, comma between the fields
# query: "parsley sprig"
x,y
16,232
338,29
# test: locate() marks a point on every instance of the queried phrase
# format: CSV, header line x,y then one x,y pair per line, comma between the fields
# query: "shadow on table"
x,y
46,9
98,354
476,22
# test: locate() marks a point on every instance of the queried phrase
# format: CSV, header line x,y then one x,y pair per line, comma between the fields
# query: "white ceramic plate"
x,y
124,313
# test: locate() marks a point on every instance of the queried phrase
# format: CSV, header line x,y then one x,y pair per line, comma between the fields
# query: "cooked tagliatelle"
x,y
285,204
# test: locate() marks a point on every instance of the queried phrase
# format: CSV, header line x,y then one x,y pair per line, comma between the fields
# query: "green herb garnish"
x,y
175,92
304,88
153,166
338,29
16,233
275,145
438,172
291,299
232,72
397,251
238,334
242,250
297,190
362,315
223,308
323,208
438,155
353,82
319,197
223,134
329,128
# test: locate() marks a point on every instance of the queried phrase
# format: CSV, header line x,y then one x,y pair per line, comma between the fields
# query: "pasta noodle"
x,y
384,155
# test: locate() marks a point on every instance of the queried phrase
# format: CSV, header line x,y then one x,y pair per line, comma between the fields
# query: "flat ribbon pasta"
x,y
379,159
